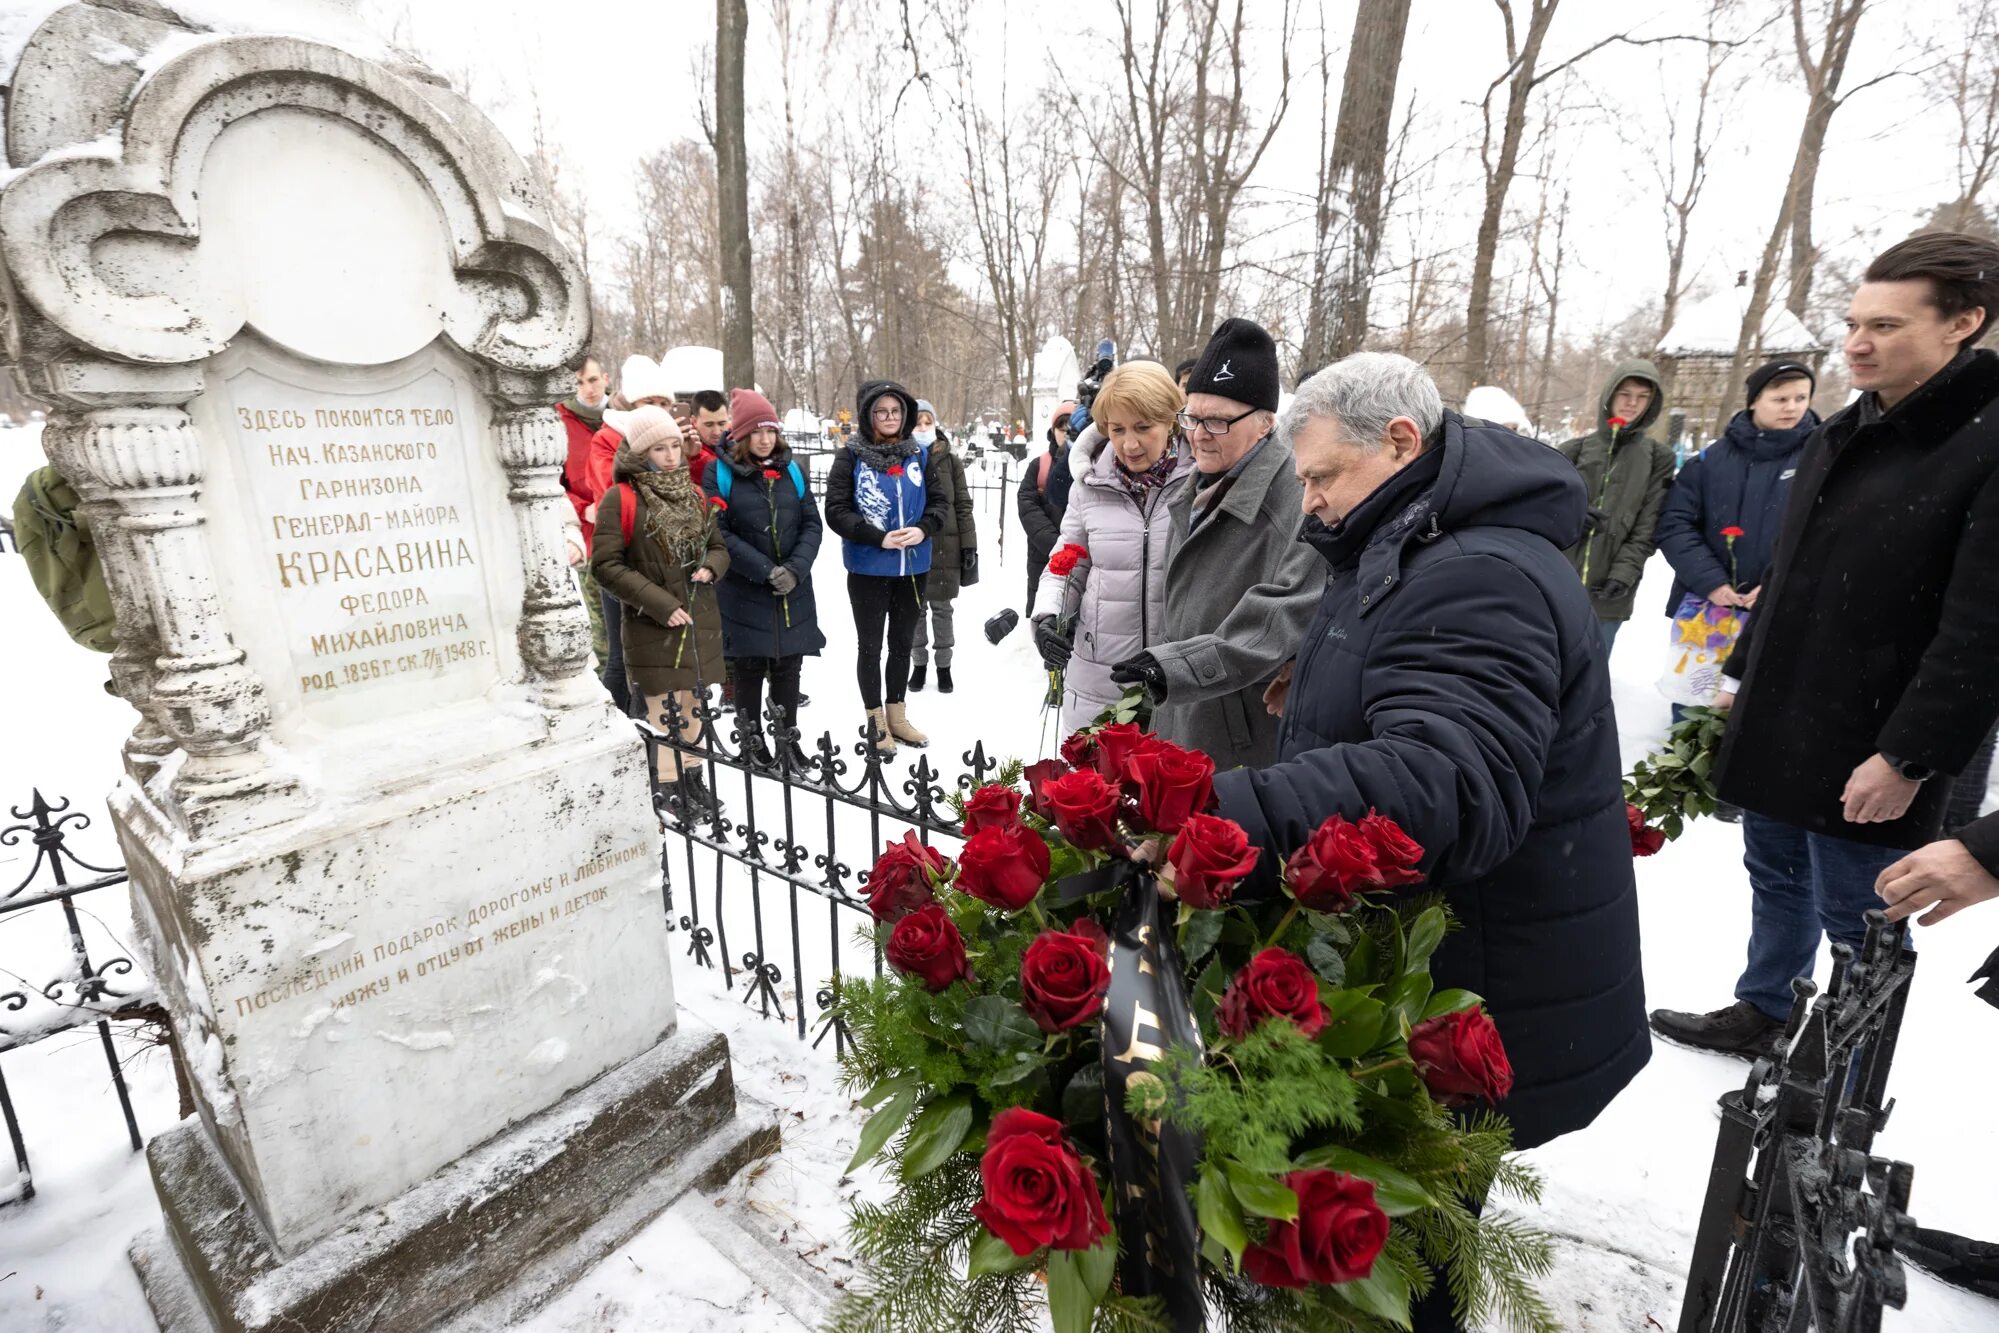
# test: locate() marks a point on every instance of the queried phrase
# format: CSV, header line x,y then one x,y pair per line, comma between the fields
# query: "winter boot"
x,y
1740,1030
918,674
1970,1264
899,727
729,692
795,761
756,754
690,799
879,733
944,680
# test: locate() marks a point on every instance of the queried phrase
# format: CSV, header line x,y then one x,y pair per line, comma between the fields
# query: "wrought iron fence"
x,y
789,831
83,992
1805,1238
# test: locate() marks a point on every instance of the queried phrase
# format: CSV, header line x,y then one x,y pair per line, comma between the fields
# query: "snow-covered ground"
x,y
1622,1197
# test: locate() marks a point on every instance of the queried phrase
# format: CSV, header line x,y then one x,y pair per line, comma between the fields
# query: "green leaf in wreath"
x,y
1406,998
1323,953
1026,1064
990,1254
940,1127
1383,1293
1071,1308
1325,923
1204,929
1352,1025
1259,1194
885,1089
1220,1216
1064,861
1360,961
883,1124
1424,935
1449,1002
1083,1098
1398,1193
1098,1265
997,1022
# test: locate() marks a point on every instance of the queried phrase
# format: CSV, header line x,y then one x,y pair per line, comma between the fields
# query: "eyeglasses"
x,y
884,413
1212,425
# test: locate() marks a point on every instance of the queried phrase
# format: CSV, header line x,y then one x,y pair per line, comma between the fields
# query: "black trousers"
x,y
891,605
614,660
751,673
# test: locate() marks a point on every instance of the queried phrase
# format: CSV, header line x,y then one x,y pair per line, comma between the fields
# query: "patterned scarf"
x,y
676,514
1138,483
882,457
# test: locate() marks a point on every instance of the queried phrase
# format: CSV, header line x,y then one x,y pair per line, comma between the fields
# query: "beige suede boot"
x,y
879,732
900,728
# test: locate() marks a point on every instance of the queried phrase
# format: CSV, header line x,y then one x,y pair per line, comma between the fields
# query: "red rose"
x,y
926,945
991,806
1645,840
1063,563
1275,983
1172,783
1336,862
1084,807
1037,1190
1038,776
1003,866
900,882
1339,1232
1115,746
1460,1056
1063,977
1396,854
1732,532
1208,857
1079,750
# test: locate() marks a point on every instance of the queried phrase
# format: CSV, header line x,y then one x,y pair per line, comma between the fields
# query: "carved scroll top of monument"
x,y
105,242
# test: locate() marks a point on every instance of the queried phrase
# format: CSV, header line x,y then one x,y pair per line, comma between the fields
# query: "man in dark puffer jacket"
x,y
1454,679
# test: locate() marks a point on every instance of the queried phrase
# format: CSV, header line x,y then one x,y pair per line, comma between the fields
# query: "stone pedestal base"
x,y
478,1244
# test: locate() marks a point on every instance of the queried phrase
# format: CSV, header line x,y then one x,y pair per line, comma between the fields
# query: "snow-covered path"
x,y
1622,1196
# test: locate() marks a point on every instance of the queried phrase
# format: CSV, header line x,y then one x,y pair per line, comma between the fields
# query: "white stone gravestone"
x,y
297,316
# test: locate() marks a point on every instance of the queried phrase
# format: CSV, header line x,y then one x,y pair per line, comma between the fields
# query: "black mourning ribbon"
x,y
1152,1163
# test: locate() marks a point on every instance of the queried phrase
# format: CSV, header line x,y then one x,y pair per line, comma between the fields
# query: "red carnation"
x,y
1084,807
1172,784
718,502
1274,984
1338,861
895,470
1460,1056
901,879
1063,563
1208,858
1003,866
1037,1190
926,945
1038,776
1731,532
1339,1231
991,806
1645,840
772,473
1616,423
1063,976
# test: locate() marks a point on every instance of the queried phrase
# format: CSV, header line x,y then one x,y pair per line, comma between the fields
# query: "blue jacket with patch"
x,y
864,504
1740,481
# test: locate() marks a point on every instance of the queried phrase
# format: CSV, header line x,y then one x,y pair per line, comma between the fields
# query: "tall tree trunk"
x,y
1499,172
732,181
1360,156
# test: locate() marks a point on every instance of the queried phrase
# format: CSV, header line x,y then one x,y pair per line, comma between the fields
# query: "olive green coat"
x,y
53,536
959,533
1626,480
649,588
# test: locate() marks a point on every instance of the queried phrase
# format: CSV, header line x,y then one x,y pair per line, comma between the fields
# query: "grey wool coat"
x,y
1240,591
1119,592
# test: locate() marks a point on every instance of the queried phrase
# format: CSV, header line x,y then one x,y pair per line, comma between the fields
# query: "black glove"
x,y
1614,590
1594,520
1141,670
1055,648
968,568
782,580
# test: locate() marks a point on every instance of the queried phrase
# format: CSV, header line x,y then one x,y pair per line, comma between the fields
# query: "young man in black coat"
x,y
1454,679
1867,674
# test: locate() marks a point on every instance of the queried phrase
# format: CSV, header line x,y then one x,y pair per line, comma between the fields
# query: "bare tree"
x,y
1351,179
732,172
1970,83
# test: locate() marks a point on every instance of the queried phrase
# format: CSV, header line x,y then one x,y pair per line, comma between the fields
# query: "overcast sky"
x,y
610,80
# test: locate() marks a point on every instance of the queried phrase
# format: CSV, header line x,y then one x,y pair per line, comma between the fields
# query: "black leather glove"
x,y
968,568
782,581
1141,670
1055,648
1614,590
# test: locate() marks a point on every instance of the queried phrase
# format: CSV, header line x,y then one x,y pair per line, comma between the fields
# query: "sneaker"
x,y
944,680
916,675
1970,1264
1740,1030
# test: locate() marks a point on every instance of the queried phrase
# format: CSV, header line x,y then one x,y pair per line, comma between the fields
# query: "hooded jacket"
x,y
864,504
650,587
1119,592
960,532
1454,679
767,523
1626,474
1739,481
53,535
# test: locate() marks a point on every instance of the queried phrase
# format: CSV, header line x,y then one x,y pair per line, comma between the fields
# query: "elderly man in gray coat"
x,y
1240,587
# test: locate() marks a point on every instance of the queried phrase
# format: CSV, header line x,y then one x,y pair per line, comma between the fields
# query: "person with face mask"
x,y
956,561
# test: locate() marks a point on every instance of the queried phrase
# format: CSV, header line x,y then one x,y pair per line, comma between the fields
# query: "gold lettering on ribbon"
x,y
1141,1050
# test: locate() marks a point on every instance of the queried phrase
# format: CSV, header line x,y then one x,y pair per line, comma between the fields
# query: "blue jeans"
x,y
1805,884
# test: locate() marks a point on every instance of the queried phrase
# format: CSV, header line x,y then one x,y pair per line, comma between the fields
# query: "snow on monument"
x,y
297,315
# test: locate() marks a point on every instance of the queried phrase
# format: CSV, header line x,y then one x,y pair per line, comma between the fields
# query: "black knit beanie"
x,y
1759,378
1239,362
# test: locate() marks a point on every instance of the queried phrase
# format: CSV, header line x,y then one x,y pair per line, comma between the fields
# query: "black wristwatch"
x,y
1910,770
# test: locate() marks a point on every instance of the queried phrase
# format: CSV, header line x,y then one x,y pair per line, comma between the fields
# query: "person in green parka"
x,y
53,536
1626,473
